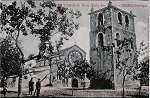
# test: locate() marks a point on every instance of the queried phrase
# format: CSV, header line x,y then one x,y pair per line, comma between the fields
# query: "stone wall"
x,y
104,58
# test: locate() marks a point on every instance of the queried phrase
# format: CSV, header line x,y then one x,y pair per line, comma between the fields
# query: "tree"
x,y
82,68
143,74
97,80
10,60
143,66
45,20
126,63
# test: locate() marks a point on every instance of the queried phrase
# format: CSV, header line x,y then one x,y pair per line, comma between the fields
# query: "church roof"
x,y
113,7
66,49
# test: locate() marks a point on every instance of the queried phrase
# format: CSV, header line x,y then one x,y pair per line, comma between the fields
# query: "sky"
x,y
81,36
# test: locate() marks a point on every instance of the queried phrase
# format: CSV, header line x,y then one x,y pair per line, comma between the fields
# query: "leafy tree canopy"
x,y
43,19
143,74
10,60
82,68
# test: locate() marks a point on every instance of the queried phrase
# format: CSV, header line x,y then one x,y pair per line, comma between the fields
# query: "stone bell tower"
x,y
107,25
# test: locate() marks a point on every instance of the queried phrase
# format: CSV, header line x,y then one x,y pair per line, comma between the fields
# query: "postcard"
x,y
74,48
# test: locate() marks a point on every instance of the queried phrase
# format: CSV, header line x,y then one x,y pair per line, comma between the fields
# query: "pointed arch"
x,y
118,41
127,21
100,39
100,19
117,36
120,18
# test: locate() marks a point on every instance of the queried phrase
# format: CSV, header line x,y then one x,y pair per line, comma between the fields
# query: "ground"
x,y
67,92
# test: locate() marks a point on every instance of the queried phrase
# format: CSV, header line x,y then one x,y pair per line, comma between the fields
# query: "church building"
x,y
107,25
56,74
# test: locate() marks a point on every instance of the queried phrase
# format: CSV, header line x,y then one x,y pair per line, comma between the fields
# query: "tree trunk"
x,y
72,91
140,91
20,81
123,94
21,67
50,77
20,85
50,71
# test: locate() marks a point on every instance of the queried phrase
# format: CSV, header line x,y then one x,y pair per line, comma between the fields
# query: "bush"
x,y
101,83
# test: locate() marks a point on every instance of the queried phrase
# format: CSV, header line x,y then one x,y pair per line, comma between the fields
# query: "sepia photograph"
x,y
74,48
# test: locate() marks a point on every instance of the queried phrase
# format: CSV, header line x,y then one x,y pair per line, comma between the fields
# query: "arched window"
x,y
117,36
100,19
127,20
100,40
120,18
118,39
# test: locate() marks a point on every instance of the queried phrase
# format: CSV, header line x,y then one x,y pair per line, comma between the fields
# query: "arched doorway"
x,y
75,83
100,40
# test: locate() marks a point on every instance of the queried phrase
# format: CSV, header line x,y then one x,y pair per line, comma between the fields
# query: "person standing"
x,y
38,87
3,82
4,91
31,86
4,85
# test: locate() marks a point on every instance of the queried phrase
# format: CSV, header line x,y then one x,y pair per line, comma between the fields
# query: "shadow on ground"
x,y
9,92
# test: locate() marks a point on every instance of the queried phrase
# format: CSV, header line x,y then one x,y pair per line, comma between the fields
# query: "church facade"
x,y
107,25
58,77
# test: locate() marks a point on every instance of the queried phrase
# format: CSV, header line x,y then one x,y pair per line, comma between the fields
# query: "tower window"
x,y
132,46
117,36
118,39
120,18
100,40
127,21
100,19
